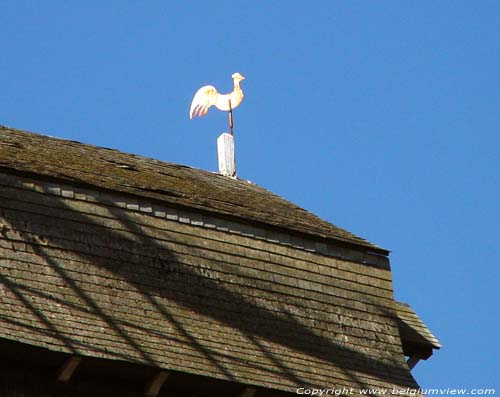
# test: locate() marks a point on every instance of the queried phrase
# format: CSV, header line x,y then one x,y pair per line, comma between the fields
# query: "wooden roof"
x,y
84,274
175,184
415,335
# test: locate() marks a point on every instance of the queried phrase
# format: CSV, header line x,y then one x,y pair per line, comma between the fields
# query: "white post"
x,y
225,150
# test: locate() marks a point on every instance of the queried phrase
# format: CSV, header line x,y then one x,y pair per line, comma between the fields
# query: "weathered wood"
x,y
154,180
93,270
66,371
73,209
414,333
154,386
225,151
175,242
413,360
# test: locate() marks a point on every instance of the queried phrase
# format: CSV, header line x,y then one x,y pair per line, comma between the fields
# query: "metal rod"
x,y
231,119
232,134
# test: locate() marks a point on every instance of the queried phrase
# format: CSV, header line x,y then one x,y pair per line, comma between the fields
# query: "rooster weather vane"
x,y
208,96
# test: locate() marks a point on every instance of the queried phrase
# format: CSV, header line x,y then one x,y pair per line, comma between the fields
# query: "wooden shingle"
x,y
115,256
181,186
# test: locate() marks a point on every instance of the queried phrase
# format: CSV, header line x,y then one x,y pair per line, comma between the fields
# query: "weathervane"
x,y
208,96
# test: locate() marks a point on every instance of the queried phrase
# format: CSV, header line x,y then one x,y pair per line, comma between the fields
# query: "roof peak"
x,y
175,184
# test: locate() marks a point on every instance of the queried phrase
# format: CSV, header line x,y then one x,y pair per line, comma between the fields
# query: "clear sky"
x,y
381,117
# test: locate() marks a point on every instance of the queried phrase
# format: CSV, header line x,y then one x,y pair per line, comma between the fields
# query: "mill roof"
x,y
105,254
178,185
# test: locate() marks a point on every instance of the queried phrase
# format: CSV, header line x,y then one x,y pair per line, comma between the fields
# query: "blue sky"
x,y
381,117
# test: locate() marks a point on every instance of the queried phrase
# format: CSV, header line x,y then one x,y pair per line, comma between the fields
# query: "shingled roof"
x,y
178,185
417,338
111,255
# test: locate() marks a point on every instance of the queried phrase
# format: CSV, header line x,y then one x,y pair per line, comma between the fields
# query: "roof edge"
x,y
323,234
286,237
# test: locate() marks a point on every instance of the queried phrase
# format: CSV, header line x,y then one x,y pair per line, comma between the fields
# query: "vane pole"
x,y
231,118
225,149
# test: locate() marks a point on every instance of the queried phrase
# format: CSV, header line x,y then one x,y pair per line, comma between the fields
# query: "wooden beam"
x,y
154,386
413,360
247,392
66,371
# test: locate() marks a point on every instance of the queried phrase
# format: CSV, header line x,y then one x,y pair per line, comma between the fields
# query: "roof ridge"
x,y
179,184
